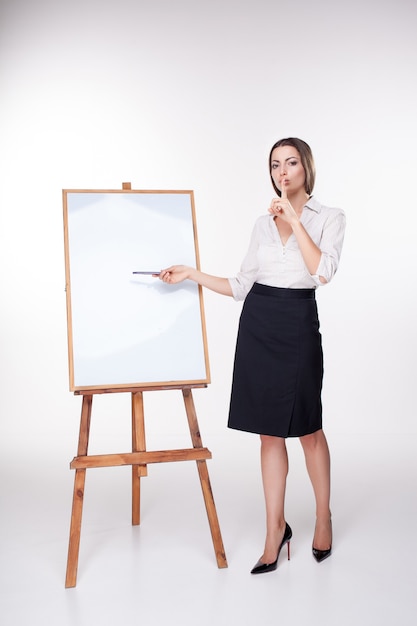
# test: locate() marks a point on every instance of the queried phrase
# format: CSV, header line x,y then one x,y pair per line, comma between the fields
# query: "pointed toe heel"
x,y
263,568
321,555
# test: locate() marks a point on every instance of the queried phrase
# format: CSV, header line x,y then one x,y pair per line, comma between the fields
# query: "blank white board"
x,y
125,329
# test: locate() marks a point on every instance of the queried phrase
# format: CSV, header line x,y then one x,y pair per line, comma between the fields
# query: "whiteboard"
x,y
125,329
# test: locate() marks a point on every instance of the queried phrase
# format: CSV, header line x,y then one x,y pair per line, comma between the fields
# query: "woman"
x,y
278,370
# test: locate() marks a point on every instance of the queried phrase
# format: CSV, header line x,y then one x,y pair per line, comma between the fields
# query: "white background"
x,y
185,94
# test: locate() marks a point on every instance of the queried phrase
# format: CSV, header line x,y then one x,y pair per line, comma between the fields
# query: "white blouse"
x,y
270,263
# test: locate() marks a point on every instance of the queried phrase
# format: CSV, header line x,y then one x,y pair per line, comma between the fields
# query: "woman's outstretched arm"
x,y
178,273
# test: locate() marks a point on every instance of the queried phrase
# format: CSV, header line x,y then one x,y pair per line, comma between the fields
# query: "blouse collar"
x,y
313,204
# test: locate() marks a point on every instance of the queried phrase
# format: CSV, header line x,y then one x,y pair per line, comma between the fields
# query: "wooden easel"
x,y
138,459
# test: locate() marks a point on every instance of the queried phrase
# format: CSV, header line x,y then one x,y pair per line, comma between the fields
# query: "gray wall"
x,y
191,95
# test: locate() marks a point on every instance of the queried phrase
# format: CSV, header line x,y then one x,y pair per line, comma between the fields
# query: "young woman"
x,y
278,369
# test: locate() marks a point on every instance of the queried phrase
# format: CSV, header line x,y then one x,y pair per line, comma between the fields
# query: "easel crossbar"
x,y
140,458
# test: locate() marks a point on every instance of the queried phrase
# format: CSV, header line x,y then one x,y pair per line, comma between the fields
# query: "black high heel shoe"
x,y
262,568
320,555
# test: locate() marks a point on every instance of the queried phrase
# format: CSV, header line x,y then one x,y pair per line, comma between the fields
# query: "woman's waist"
x,y
289,293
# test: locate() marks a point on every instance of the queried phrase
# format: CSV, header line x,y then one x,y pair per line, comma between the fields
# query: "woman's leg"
x,y
317,457
274,465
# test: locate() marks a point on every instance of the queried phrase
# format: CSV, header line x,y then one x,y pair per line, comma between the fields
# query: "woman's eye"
x,y
293,162
274,166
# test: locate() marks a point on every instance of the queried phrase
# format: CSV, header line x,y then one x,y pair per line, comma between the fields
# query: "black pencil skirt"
x,y
278,368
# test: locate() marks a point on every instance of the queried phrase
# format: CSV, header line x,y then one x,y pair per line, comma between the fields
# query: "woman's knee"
x,y
270,442
313,440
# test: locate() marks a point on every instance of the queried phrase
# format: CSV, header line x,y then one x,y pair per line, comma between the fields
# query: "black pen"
x,y
148,273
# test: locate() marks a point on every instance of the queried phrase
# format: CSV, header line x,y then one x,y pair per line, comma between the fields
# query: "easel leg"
x,y
78,496
138,445
205,480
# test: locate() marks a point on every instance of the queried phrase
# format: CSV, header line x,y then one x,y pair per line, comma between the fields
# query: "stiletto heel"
x,y
262,568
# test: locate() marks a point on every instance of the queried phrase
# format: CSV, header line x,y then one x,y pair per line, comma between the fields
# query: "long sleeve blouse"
x,y
269,262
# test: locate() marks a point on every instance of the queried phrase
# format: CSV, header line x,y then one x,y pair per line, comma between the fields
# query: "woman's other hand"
x,y
175,274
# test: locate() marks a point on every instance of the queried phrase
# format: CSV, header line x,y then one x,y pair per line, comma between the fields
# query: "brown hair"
x,y
306,157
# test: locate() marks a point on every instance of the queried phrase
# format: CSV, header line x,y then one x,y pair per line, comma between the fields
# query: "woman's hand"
x,y
282,208
178,273
175,274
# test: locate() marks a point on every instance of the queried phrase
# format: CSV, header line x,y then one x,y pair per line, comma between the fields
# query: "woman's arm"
x,y
321,261
310,252
178,273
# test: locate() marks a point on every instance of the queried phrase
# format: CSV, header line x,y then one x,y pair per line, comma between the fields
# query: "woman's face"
x,y
287,169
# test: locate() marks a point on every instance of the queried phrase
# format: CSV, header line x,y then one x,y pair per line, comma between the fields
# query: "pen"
x,y
148,273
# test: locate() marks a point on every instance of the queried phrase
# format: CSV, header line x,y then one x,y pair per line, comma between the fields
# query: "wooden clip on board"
x,y
132,333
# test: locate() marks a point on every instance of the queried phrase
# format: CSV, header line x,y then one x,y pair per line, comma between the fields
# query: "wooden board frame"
x,y
100,227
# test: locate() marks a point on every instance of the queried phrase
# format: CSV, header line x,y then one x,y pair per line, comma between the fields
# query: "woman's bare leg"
x,y
274,465
317,457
